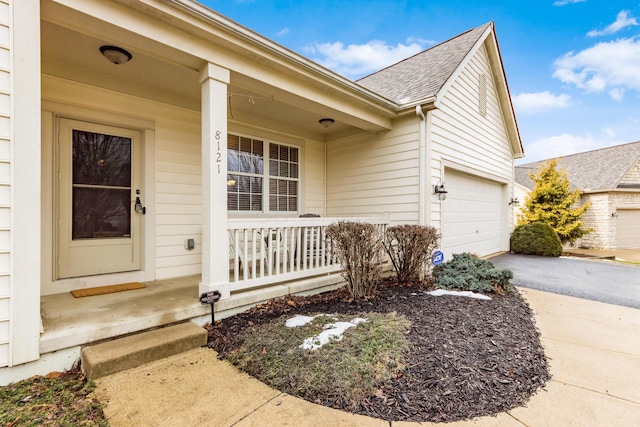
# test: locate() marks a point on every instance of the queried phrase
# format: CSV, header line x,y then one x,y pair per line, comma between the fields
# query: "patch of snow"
x,y
331,331
300,320
469,294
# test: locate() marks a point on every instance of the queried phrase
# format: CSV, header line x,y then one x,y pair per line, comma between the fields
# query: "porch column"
x,y
215,243
21,188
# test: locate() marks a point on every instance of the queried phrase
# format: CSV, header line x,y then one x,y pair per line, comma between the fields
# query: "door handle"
x,y
138,206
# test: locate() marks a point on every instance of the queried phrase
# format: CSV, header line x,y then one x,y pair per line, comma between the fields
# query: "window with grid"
x,y
247,174
283,178
245,165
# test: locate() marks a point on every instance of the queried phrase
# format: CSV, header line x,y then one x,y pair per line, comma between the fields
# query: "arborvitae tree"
x,y
551,202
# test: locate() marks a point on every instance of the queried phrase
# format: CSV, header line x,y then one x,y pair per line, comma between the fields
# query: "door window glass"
x,y
101,186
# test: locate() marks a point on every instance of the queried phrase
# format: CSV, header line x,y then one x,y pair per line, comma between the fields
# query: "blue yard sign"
x,y
437,258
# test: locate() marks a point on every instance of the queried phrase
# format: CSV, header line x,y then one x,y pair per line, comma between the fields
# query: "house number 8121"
x,y
218,154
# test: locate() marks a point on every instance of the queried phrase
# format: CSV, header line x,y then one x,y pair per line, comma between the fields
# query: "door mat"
x,y
100,290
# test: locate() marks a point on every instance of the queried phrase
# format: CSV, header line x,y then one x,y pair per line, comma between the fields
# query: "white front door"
x,y
98,190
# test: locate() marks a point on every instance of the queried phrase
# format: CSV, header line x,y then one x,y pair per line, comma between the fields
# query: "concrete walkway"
x,y
628,255
594,352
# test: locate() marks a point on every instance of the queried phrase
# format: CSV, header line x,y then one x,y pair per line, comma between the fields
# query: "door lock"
x,y
138,206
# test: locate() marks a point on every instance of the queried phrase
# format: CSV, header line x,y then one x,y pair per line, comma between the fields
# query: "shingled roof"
x,y
422,76
601,169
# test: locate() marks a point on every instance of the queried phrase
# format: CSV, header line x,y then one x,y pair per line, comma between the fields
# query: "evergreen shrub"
x,y
536,238
466,272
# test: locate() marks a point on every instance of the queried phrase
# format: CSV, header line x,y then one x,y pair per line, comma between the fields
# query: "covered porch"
x,y
193,79
184,92
294,261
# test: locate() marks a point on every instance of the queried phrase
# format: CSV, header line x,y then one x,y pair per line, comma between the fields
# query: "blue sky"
x,y
573,66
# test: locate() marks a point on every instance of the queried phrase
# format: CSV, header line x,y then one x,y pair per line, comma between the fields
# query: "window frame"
x,y
266,176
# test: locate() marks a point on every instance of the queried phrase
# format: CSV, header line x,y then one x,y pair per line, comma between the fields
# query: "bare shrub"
x,y
409,247
357,247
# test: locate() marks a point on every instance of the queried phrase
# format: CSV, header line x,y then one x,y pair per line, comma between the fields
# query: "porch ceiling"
x,y
166,75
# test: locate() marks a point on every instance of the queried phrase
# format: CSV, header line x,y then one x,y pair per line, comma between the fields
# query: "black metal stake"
x,y
211,298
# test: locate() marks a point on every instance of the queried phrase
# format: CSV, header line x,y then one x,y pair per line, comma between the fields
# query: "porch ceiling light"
x,y
326,122
115,54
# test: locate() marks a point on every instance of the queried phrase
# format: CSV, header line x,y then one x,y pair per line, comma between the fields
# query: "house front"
x,y
158,142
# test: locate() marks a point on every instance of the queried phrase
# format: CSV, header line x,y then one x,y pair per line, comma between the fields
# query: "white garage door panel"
x,y
628,229
472,215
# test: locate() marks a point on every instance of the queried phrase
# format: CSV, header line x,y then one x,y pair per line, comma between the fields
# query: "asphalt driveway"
x,y
597,280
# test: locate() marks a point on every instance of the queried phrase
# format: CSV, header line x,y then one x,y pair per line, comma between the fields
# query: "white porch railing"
x,y
265,251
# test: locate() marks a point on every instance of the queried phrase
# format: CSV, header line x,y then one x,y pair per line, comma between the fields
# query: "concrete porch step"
x,y
135,350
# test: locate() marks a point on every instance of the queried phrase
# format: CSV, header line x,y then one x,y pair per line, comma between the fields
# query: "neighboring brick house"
x,y
609,178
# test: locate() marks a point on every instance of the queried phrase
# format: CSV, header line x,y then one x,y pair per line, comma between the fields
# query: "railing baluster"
x,y
299,248
305,249
320,247
236,258
314,248
253,253
286,240
245,264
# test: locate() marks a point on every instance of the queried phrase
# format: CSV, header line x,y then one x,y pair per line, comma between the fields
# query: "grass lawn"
x,y
58,399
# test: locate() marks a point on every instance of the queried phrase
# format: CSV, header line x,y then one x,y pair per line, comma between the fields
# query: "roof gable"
x,y
424,74
602,169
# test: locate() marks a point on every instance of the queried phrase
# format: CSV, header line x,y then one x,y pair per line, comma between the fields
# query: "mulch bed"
x,y
469,358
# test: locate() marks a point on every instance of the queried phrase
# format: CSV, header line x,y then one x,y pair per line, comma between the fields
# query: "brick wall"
x,y
600,218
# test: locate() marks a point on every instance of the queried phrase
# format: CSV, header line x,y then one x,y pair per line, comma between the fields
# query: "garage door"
x,y
628,229
473,215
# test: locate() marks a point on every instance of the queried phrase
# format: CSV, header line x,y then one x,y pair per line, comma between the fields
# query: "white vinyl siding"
x,y
5,180
371,174
462,137
178,188
461,134
313,185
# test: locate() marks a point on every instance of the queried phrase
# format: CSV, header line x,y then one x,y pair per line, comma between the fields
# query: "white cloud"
x,y
623,20
611,65
531,103
566,2
283,32
421,41
565,144
356,60
616,93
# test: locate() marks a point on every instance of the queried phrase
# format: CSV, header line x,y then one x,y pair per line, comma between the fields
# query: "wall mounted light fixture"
x,y
440,190
115,54
326,122
514,202
614,215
